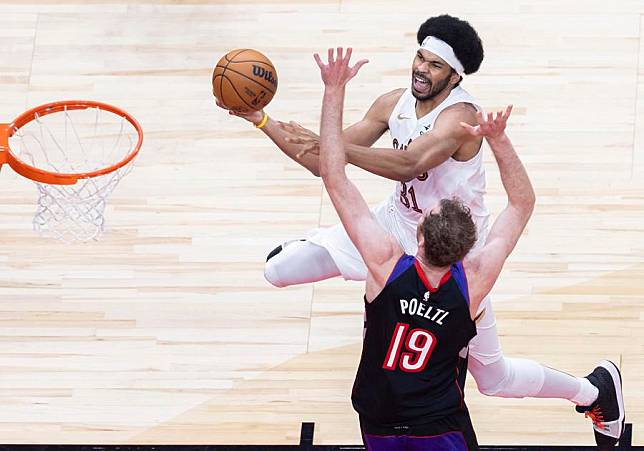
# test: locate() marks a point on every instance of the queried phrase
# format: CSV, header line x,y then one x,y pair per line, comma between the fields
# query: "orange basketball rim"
x,y
8,156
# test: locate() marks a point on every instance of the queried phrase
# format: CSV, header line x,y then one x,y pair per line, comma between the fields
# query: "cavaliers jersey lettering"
x,y
463,179
410,369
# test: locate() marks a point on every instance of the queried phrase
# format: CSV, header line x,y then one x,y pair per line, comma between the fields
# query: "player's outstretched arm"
x,y
423,153
274,130
379,250
363,133
302,145
484,265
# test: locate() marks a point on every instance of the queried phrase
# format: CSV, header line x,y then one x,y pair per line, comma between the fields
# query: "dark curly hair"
x,y
449,234
457,33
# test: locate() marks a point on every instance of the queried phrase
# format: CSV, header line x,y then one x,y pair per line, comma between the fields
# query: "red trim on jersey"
x,y
423,277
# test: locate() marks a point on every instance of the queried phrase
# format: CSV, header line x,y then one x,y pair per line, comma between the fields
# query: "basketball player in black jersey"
x,y
408,390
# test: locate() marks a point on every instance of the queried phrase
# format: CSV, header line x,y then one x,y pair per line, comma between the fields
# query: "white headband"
x,y
443,50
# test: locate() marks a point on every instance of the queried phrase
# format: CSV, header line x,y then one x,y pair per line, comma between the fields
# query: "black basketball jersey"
x,y
410,371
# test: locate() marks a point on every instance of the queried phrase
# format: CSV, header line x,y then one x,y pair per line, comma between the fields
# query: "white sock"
x,y
558,384
587,393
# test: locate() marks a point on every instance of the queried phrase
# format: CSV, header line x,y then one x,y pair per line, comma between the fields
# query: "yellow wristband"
x,y
262,122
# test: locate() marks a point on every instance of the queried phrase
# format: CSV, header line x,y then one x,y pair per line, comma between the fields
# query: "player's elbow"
x,y
415,166
524,203
530,202
407,171
407,175
523,212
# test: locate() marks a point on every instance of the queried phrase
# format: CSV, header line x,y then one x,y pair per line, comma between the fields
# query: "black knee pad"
x,y
279,248
274,252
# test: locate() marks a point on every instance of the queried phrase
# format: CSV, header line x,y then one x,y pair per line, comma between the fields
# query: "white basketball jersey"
x,y
462,179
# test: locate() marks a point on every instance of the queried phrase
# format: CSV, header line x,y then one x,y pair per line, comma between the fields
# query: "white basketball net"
x,y
75,141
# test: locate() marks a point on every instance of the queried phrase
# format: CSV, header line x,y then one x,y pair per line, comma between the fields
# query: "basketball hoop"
x,y
69,149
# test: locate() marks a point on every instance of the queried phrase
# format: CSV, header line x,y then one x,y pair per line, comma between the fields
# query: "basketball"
x,y
244,80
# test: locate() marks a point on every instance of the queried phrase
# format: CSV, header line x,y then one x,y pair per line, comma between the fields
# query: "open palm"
x,y
337,72
490,127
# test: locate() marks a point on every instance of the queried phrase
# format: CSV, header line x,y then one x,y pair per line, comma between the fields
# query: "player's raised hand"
x,y
490,127
337,72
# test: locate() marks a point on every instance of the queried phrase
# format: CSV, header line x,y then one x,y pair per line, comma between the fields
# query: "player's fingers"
x,y
490,117
318,60
330,55
298,126
479,118
233,111
470,129
302,132
284,126
221,105
308,147
358,65
339,55
305,132
301,153
507,112
347,57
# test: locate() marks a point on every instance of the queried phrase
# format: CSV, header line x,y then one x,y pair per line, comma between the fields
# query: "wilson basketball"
x,y
244,80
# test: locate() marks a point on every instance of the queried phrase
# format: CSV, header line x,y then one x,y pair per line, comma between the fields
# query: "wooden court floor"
x,y
165,331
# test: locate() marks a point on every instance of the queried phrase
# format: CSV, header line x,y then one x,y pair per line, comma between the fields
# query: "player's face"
x,y
430,75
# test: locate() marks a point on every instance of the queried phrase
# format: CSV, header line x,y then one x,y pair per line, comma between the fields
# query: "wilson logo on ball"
x,y
265,74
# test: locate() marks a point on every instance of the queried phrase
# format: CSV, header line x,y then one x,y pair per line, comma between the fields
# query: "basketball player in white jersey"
x,y
432,157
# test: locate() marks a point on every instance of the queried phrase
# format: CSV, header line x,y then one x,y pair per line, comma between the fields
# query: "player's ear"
x,y
420,238
420,235
455,78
